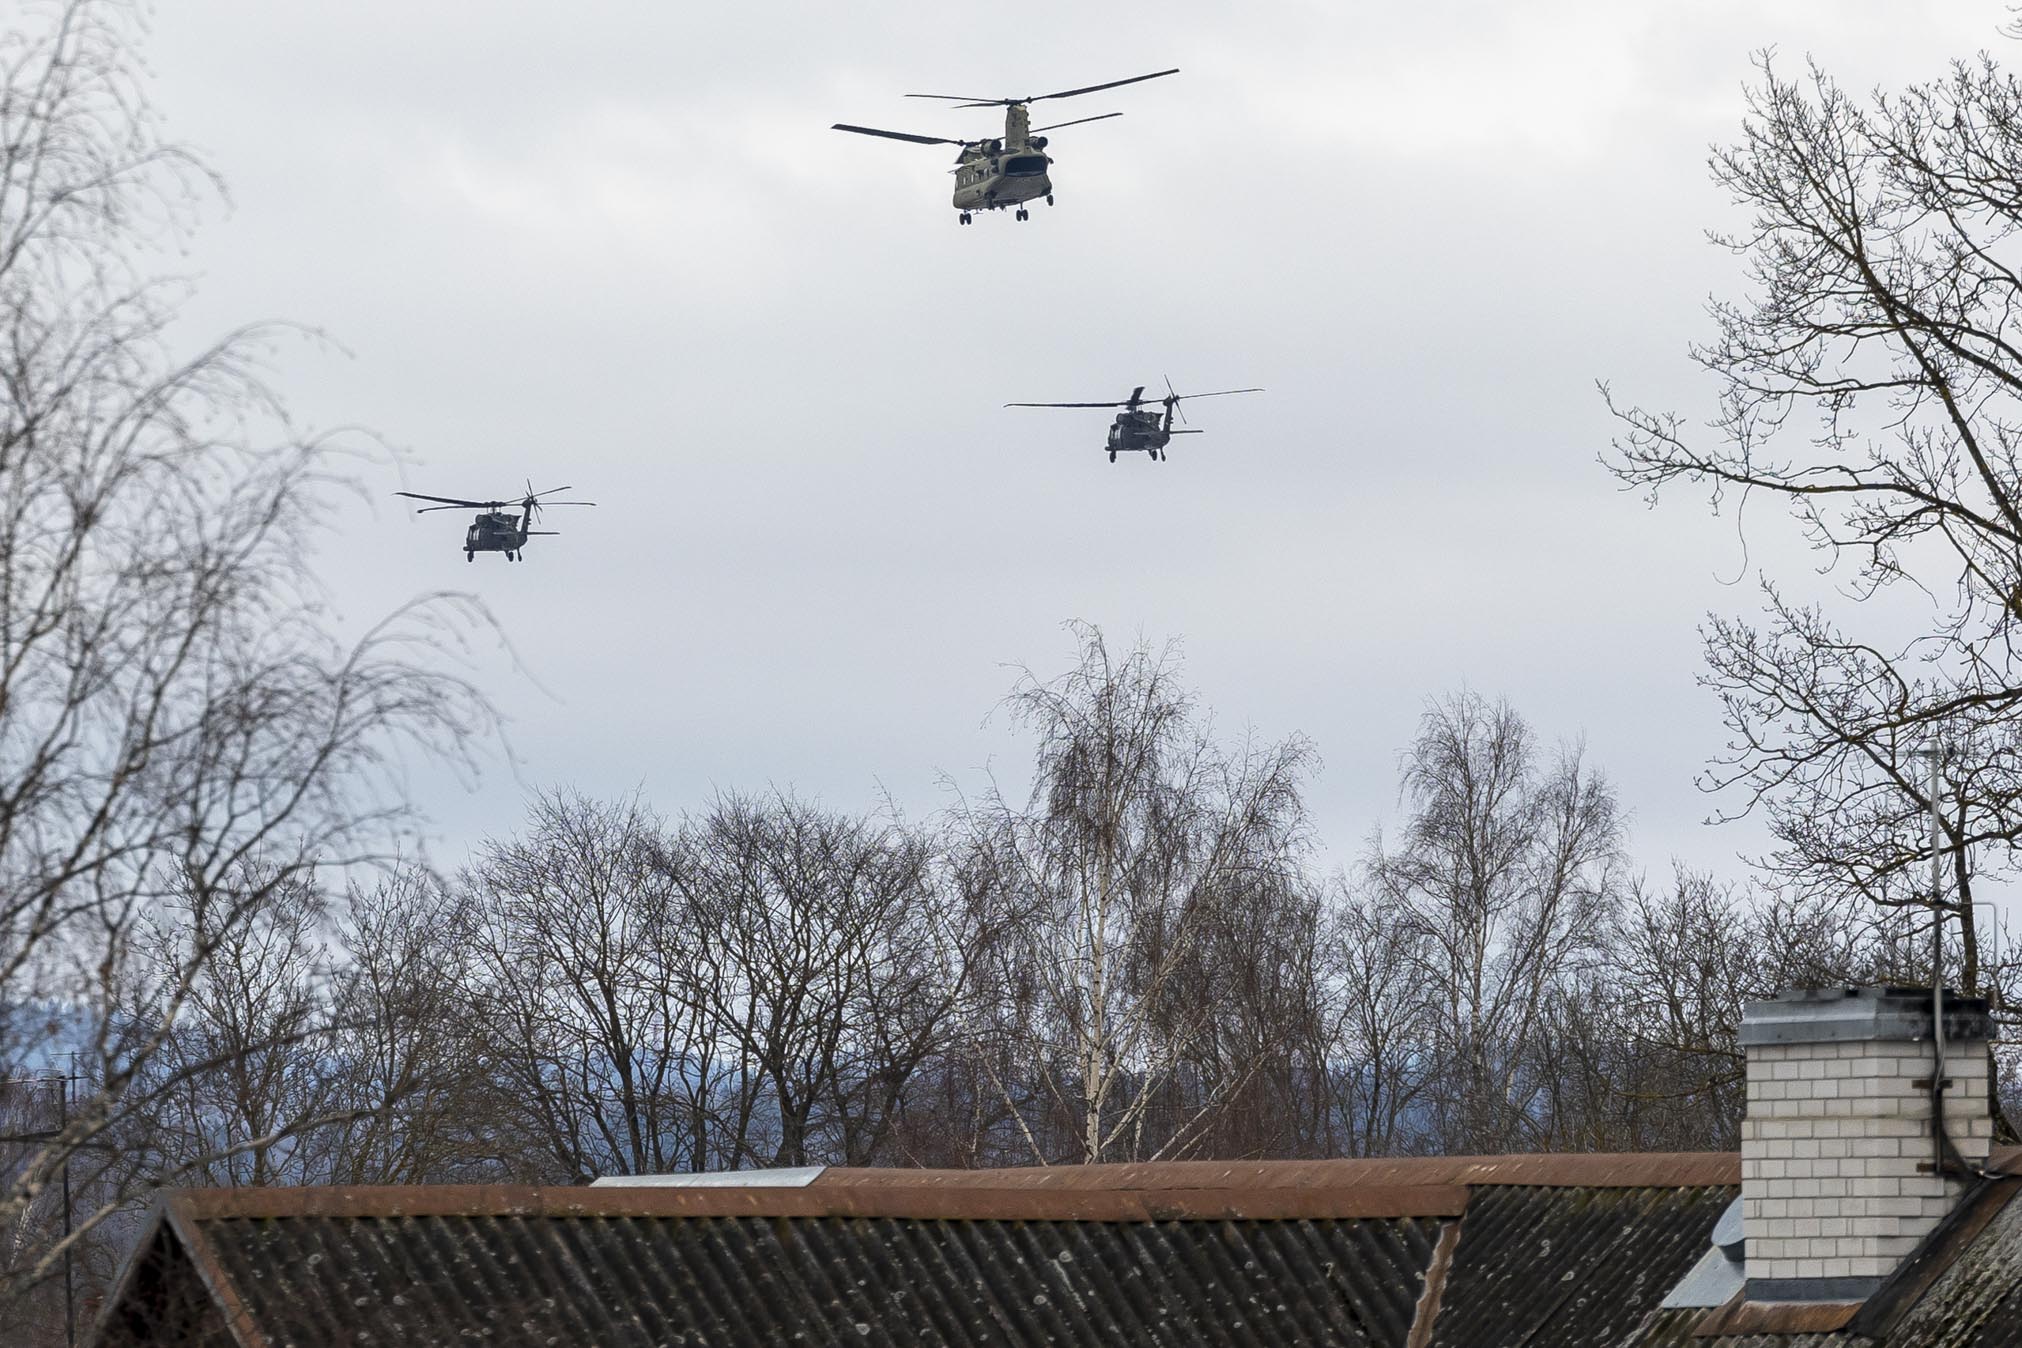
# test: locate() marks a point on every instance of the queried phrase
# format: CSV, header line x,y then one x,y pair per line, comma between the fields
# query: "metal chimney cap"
x,y
1859,1015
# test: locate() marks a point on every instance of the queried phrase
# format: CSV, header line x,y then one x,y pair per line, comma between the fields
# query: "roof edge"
x,y
1596,1170
900,1201
187,1228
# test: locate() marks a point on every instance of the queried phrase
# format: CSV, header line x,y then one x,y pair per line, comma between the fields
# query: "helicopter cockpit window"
x,y
1025,166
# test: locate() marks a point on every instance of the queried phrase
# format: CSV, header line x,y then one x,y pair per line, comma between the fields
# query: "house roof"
x,y
1432,1253
1962,1289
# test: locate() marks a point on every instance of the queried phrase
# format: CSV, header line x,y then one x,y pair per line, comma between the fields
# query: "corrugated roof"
x,y
653,1280
1976,1300
1562,1267
1961,1289
1463,1252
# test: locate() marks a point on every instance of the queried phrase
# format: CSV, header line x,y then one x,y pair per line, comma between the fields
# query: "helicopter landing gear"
x,y
963,219
1049,198
469,556
1024,214
1112,456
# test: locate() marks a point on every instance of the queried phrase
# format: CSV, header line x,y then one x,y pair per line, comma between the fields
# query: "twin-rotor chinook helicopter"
x,y
995,175
1138,428
496,530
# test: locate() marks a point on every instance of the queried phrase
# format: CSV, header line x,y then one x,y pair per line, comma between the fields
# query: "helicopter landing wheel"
x,y
964,218
1049,198
1112,456
469,556
1024,214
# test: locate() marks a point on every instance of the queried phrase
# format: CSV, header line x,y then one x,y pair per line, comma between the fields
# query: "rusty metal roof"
x,y
897,1200
1598,1170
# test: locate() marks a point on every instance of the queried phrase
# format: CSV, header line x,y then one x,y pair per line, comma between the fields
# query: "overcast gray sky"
x,y
616,245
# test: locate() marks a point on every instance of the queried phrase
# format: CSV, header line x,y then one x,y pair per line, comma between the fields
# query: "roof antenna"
x,y
1936,755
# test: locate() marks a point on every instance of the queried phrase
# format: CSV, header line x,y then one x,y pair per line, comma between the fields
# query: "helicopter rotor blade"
x,y
1113,84
898,135
1172,398
1218,393
446,500
483,505
1103,117
1034,98
1067,404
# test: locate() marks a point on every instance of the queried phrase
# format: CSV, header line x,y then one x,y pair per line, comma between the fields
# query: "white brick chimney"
x,y
1838,1181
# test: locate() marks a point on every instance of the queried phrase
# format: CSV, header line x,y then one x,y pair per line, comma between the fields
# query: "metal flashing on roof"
x,y
1720,1272
1858,1015
1713,1281
778,1177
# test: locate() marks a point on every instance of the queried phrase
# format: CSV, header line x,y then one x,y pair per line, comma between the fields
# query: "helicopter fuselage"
x,y
495,531
1139,430
987,181
995,175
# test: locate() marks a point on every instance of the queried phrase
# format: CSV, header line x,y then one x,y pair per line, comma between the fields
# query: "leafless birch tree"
x,y
175,714
1507,874
1142,838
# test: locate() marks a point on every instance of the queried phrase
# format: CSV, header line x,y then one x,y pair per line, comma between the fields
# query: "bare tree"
x,y
1141,839
175,713
415,1079
832,966
1508,872
579,972
245,1068
1869,384
1379,1017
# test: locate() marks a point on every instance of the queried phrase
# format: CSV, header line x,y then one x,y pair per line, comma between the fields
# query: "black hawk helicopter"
x,y
994,175
1138,427
497,530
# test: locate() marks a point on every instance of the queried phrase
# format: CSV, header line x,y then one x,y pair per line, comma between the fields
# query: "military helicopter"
x,y
995,175
496,530
1138,427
